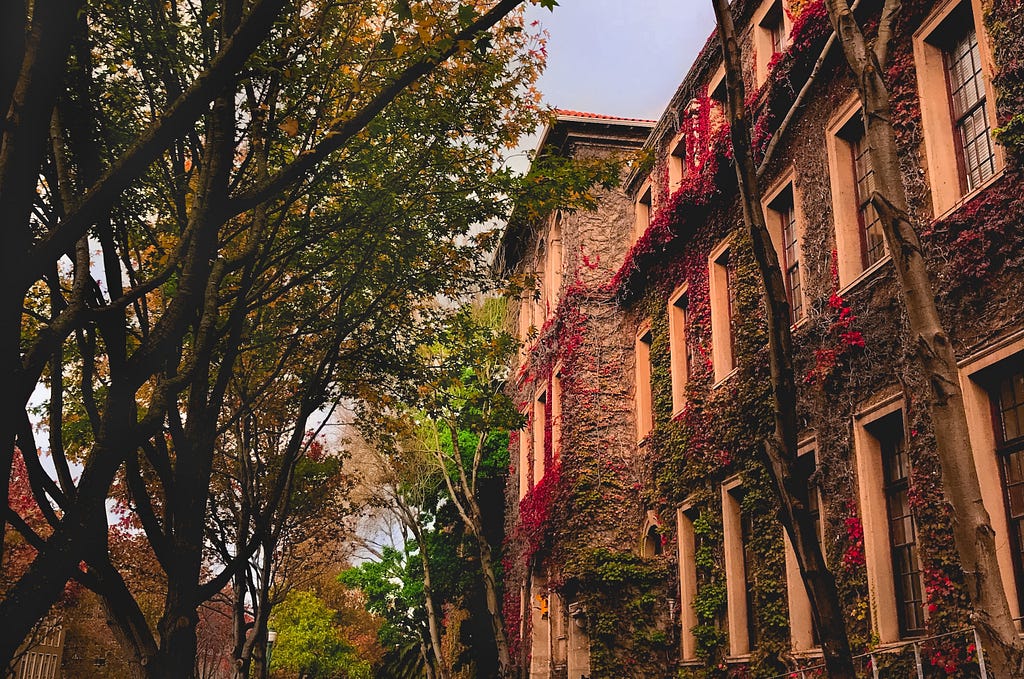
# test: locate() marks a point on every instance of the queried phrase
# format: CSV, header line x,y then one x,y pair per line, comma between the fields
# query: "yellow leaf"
x,y
290,126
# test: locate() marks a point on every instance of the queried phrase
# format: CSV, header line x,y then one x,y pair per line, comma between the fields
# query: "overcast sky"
x,y
620,57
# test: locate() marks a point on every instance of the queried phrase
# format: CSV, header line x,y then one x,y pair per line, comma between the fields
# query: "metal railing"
x,y
896,647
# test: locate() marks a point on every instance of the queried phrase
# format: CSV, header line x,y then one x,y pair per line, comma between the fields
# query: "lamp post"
x,y
271,638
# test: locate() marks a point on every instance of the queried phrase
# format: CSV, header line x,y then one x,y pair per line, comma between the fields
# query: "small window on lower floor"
x,y
893,563
685,518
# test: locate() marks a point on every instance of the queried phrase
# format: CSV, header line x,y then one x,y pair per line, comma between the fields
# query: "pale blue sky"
x,y
620,57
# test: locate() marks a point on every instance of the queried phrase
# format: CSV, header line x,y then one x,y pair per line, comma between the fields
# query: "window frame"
x,y
978,372
721,283
803,636
771,19
540,415
740,605
943,162
845,206
776,227
643,393
686,515
681,360
676,160
643,209
556,414
525,455
874,514
890,431
553,264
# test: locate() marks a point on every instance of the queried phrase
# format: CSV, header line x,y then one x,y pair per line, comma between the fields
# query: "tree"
x,y
789,484
309,642
400,486
461,418
972,530
228,167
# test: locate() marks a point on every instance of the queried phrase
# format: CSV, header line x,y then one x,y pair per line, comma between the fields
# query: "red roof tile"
x,y
598,116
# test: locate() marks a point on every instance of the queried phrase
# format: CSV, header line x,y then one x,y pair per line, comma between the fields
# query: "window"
x,y
1008,411
723,311
525,459
644,409
679,349
802,632
719,96
737,528
783,225
970,119
770,35
906,565
685,518
676,162
540,611
644,211
540,450
872,240
991,381
539,299
954,74
553,264
860,242
652,545
556,415
890,533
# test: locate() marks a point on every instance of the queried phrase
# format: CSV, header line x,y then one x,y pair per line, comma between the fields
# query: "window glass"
x,y
967,92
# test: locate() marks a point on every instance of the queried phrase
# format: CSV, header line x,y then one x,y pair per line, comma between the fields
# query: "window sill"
x,y
737,659
807,653
864,276
725,379
800,324
968,197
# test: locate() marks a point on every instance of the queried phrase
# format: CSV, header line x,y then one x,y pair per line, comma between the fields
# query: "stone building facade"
x,y
642,537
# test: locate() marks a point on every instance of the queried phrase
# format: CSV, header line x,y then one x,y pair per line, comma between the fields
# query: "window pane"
x,y
1011,407
872,238
902,530
967,92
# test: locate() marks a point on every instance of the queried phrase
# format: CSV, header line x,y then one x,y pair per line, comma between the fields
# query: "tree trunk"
x,y
791,488
433,620
491,590
972,530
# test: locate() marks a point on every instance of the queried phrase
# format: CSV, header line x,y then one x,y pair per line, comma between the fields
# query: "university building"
x,y
642,539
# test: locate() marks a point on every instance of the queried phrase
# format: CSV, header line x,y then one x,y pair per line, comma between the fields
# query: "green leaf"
x,y
402,10
467,13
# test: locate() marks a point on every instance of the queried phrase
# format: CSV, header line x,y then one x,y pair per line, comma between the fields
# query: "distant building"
x,y
43,659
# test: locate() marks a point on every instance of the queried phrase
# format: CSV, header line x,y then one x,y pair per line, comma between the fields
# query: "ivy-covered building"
x,y
642,538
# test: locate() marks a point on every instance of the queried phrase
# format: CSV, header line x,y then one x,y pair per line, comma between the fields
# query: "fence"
x,y
871,658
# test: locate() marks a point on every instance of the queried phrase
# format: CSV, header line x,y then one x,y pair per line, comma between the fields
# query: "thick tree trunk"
x,y
491,592
972,530
791,488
